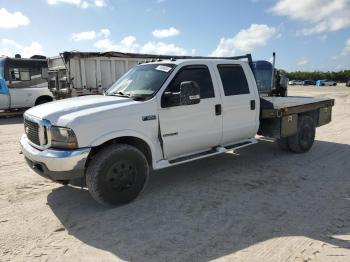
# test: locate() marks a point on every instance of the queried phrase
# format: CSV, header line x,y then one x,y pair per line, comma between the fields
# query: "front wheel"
x,y
303,140
117,174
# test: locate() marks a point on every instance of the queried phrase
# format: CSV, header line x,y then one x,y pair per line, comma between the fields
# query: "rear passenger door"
x,y
240,101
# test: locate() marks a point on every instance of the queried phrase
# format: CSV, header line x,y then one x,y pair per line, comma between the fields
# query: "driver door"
x,y
188,129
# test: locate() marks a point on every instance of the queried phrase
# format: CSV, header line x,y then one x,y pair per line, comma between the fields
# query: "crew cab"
x,y
22,83
158,115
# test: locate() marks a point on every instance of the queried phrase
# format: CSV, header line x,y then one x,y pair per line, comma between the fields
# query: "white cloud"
x,y
71,2
105,32
10,47
246,40
12,20
302,62
129,45
100,3
90,35
80,3
34,48
9,42
160,48
105,45
321,15
163,33
346,49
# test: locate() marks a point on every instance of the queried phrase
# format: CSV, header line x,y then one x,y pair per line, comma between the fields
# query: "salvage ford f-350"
x,y
161,114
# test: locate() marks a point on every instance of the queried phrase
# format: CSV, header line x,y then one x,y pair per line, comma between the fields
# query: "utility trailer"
x,y
74,74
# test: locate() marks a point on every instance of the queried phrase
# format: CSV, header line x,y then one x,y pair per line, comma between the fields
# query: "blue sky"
x,y
306,34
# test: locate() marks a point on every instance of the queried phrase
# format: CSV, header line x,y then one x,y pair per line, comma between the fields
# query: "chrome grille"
x,y
32,131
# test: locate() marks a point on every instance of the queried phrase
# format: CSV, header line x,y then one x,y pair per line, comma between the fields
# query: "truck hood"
x,y
63,112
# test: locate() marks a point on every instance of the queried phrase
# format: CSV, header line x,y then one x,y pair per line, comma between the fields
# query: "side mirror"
x,y
189,93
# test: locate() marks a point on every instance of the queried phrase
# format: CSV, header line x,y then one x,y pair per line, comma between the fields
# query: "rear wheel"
x,y
303,140
283,143
117,174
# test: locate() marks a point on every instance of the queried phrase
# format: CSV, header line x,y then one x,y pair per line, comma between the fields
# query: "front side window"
x,y
233,80
141,81
19,74
199,74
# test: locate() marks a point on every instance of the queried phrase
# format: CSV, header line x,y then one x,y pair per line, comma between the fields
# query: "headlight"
x,y
63,138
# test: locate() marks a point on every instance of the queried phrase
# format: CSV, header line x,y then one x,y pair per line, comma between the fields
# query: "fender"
x,y
155,147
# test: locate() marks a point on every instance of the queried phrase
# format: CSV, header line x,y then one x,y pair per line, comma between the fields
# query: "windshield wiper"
x,y
120,93
139,97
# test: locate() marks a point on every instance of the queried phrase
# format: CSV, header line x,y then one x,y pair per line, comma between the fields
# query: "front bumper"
x,y
57,165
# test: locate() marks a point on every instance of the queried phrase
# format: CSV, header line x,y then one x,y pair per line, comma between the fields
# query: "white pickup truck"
x,y
22,84
158,115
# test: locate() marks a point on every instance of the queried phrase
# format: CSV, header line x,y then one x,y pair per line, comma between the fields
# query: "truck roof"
x,y
194,60
68,55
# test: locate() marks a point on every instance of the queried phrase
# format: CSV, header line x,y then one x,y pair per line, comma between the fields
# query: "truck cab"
x,y
158,115
23,83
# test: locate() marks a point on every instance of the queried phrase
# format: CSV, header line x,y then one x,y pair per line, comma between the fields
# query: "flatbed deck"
x,y
272,107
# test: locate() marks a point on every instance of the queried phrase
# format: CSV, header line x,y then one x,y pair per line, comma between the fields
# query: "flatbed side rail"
x,y
290,110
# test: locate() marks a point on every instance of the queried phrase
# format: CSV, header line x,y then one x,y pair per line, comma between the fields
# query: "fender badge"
x,y
148,118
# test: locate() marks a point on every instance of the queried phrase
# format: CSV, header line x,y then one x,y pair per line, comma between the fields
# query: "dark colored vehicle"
x,y
309,82
348,83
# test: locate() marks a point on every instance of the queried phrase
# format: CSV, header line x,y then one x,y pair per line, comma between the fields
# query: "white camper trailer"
x,y
83,73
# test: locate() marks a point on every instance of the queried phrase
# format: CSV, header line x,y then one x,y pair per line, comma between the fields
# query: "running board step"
x,y
211,152
186,158
240,145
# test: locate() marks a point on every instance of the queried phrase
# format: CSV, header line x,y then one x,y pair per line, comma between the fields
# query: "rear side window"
x,y
233,80
199,74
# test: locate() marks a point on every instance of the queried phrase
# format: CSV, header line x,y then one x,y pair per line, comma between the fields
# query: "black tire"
x,y
43,100
303,140
117,174
283,143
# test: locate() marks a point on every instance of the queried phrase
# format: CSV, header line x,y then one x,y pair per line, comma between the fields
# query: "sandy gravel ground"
x,y
260,204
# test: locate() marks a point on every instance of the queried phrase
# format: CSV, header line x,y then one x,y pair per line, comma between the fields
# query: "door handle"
x,y
218,109
252,104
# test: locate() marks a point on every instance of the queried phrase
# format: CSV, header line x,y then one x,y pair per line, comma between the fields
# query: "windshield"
x,y
2,64
141,81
